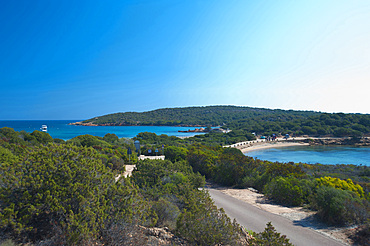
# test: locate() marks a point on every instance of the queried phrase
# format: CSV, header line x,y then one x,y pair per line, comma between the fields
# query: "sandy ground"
x,y
263,144
268,145
299,215
152,157
127,173
279,142
129,169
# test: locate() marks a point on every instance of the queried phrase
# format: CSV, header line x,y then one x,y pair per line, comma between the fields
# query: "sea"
x,y
315,154
62,130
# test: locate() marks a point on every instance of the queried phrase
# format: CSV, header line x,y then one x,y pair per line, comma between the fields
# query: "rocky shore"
x,y
365,141
81,123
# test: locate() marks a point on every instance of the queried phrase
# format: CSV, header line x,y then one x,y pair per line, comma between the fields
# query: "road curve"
x,y
255,219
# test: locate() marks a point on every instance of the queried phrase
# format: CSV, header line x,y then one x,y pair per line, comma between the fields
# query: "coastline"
x,y
259,144
81,123
271,145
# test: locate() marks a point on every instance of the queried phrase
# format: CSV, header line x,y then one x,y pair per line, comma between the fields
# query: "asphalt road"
x,y
255,219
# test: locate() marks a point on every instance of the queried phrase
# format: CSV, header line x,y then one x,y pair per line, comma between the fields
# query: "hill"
x,y
192,116
245,120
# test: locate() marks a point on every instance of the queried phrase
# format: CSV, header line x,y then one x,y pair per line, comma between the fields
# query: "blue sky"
x,y
80,59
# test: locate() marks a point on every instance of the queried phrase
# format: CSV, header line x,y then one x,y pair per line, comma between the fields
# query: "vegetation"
x,y
66,187
336,206
206,116
245,120
337,201
67,192
270,237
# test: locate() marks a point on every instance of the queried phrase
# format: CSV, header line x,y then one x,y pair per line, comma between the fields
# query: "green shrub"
x,y
89,141
175,154
208,226
42,137
284,191
269,237
167,213
339,207
341,184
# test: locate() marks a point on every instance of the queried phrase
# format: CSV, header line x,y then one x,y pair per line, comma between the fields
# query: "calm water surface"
x,y
61,129
316,154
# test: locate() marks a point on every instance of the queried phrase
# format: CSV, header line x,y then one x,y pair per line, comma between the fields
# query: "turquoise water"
x,y
316,154
61,129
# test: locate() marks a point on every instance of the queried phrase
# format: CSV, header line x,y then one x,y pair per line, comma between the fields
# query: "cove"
x,y
315,154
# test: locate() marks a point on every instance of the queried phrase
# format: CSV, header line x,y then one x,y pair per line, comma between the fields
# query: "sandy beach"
x,y
258,144
263,144
269,145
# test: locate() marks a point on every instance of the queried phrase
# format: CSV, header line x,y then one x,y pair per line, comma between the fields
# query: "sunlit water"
x,y
316,154
61,129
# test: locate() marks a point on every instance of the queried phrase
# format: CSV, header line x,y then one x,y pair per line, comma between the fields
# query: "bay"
x,y
315,154
61,129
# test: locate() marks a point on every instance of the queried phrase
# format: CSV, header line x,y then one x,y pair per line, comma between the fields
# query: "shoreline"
x,y
271,145
81,123
259,144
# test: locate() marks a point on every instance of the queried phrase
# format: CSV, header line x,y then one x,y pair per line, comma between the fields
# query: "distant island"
x,y
244,121
187,116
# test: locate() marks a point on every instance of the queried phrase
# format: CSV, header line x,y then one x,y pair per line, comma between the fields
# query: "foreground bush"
x,y
64,188
180,205
340,207
269,237
208,226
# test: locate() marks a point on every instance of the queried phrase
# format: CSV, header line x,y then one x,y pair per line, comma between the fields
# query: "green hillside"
x,y
245,120
205,116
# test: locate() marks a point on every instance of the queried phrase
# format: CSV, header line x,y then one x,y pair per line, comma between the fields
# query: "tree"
x,y
110,138
42,137
175,154
269,237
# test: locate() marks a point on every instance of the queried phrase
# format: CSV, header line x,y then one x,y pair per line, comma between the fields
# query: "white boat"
x,y
44,128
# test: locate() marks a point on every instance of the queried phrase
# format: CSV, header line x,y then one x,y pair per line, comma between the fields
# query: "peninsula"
x,y
245,123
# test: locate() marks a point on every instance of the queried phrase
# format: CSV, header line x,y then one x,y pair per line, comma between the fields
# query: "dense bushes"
x,y
284,191
337,206
208,226
175,154
67,192
341,184
287,183
89,141
66,188
172,188
290,190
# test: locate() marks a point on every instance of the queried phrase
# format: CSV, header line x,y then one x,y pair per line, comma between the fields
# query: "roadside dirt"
x,y
298,215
